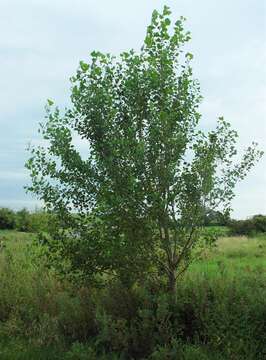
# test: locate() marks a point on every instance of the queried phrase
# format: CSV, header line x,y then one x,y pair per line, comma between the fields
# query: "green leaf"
x,y
166,11
83,66
148,41
167,21
189,56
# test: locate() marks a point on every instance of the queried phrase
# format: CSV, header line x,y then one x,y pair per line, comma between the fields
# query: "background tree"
x,y
23,220
7,219
140,192
216,217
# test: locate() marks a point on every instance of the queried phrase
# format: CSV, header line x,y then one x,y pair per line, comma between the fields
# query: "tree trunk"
x,y
172,284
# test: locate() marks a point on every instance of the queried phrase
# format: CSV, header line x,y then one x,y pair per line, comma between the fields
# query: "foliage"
x,y
7,219
41,221
251,226
23,220
216,231
140,191
26,221
216,218
219,314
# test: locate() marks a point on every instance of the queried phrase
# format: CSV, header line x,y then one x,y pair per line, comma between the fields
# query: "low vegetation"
x,y
249,227
220,312
24,220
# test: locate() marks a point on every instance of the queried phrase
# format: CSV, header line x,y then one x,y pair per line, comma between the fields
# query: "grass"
x,y
15,235
232,255
42,317
15,240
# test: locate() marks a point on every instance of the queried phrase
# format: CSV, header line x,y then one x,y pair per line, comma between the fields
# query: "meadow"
x,y
135,189
220,312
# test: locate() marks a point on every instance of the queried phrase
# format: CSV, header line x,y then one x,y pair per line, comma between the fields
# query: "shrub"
x,y
7,219
249,227
26,221
81,351
23,222
41,221
218,231
214,317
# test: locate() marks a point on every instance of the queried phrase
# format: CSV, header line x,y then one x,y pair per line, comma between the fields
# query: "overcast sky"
x,y
42,42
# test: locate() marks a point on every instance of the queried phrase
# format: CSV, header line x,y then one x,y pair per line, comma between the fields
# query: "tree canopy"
x,y
134,203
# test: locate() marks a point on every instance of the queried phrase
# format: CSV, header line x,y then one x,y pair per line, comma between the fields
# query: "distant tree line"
x,y
216,218
24,220
41,221
251,226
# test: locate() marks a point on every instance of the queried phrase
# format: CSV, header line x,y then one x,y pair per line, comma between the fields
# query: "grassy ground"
x,y
14,236
232,255
225,289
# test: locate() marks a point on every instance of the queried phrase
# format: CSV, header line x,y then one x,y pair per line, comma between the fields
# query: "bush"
x,y
216,218
26,221
214,318
260,223
218,231
41,221
7,219
249,227
23,221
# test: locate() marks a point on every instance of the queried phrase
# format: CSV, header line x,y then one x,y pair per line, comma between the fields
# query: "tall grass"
x,y
220,312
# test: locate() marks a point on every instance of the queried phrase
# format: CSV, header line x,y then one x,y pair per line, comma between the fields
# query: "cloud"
x,y
14,175
20,204
43,41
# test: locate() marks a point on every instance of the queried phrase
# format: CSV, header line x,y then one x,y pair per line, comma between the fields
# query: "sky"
x,y
42,42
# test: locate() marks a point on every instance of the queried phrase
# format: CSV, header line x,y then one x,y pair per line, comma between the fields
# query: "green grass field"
x,y
233,255
224,289
14,236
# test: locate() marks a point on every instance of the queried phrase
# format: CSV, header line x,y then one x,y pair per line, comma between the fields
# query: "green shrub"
x,y
216,218
42,221
218,231
260,223
26,221
23,222
81,351
249,227
217,317
7,219
16,349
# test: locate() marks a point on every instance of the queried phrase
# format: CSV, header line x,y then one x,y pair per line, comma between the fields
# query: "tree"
x,y
140,192
23,220
216,217
7,219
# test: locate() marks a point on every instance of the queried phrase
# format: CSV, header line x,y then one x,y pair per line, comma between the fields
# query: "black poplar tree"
x,y
140,193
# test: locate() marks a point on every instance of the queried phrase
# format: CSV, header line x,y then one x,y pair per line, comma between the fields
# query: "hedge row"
x,y
249,227
23,220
